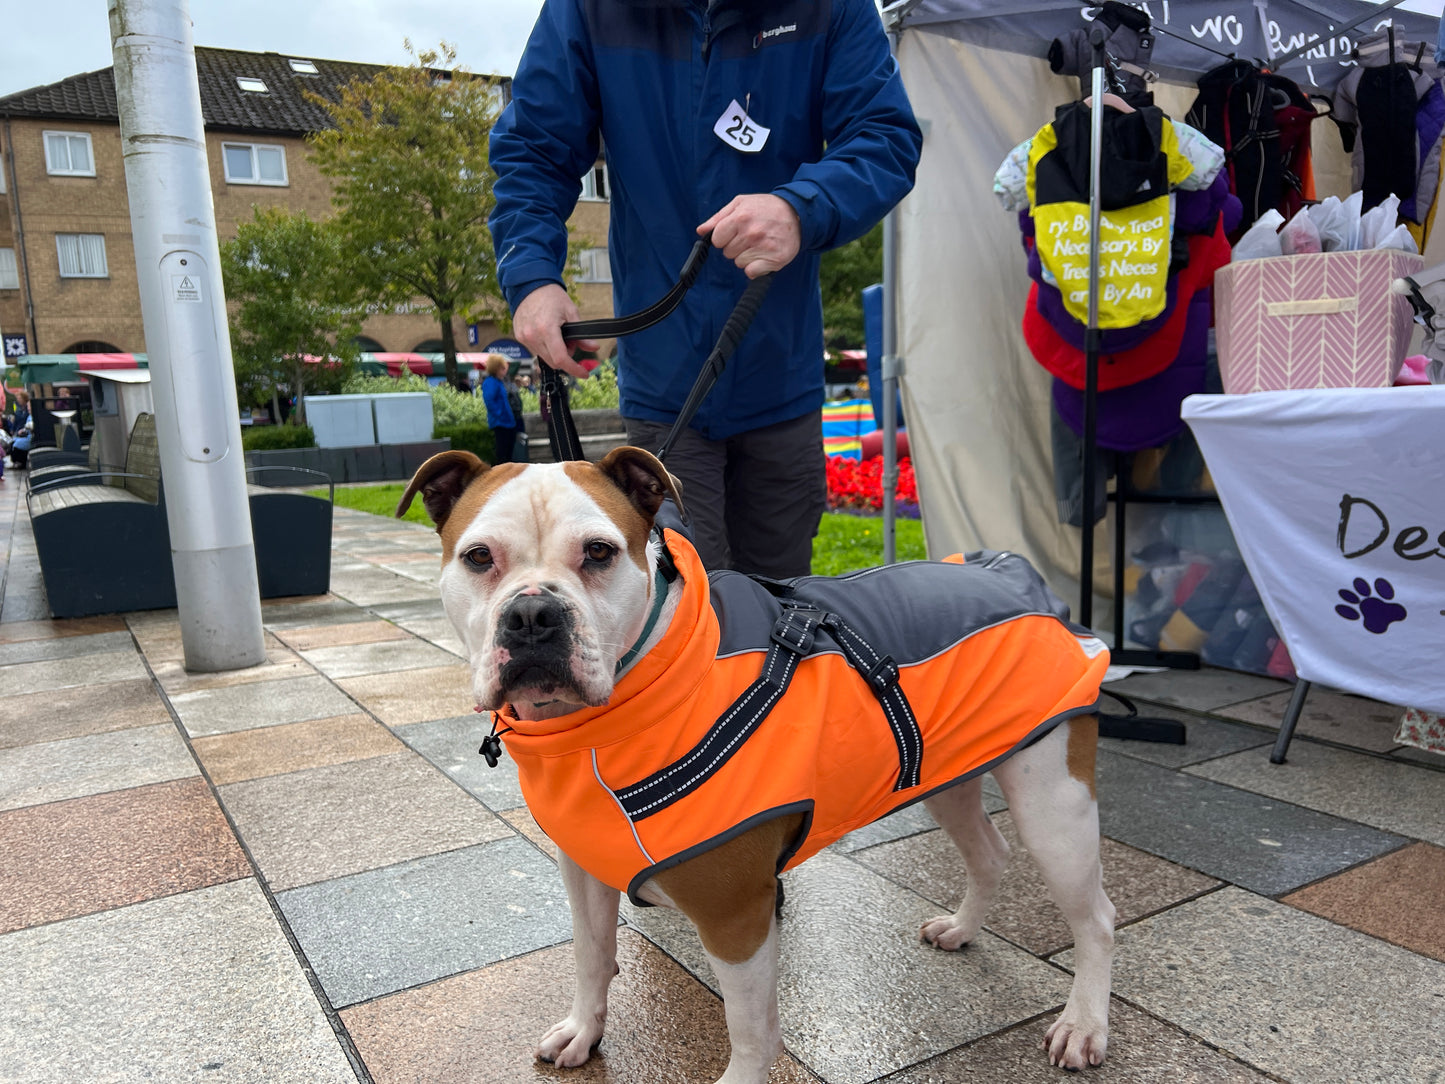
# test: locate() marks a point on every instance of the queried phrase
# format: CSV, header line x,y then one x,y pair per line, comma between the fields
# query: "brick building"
x,y
67,263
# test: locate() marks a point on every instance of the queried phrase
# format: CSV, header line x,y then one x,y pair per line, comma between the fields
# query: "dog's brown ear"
x,y
441,481
642,477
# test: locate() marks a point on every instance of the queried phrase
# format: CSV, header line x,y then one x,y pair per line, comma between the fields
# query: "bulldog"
x,y
685,738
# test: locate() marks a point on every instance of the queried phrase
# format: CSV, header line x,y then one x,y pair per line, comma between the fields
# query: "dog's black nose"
x,y
532,619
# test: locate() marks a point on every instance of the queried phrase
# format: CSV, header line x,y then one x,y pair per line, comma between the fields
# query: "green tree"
x,y
845,271
412,188
288,303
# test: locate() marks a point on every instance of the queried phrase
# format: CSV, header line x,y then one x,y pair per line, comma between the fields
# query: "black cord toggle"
x,y
491,748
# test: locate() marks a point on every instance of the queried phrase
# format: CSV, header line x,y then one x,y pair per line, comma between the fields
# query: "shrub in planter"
x,y
266,438
471,437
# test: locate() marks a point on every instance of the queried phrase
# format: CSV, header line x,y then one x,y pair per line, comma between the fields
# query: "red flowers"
x,y
857,486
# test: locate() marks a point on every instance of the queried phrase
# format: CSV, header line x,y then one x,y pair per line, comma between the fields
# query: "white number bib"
x,y
739,131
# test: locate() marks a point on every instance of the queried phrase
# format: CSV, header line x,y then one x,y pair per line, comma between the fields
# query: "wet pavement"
x,y
303,872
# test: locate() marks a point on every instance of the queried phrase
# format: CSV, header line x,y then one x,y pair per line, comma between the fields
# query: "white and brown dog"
x,y
550,576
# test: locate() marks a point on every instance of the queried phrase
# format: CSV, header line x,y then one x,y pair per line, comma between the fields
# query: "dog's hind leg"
x,y
570,1042
1050,791
959,812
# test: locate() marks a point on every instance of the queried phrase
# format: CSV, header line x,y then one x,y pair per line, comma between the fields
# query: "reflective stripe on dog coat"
x,y
705,737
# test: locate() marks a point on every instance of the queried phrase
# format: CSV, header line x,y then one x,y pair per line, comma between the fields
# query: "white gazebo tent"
x,y
977,403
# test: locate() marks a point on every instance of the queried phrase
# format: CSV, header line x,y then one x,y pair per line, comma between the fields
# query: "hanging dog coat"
x,y
839,698
1142,163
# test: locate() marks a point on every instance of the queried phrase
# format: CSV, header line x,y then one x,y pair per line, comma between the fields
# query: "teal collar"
x,y
659,596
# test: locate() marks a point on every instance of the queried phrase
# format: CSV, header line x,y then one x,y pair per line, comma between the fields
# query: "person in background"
x,y
781,130
501,418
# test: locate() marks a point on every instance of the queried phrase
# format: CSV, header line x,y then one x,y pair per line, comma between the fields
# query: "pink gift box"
x,y
1323,320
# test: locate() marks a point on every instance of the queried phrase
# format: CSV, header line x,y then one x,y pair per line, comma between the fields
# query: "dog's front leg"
x,y
570,1042
750,1002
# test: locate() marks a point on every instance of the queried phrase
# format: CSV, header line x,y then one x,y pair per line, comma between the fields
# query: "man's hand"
x,y
759,233
538,326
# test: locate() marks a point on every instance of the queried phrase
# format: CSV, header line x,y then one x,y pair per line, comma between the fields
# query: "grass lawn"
x,y
844,542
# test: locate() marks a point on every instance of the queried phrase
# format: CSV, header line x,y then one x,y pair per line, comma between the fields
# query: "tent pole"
x,y
1091,336
891,368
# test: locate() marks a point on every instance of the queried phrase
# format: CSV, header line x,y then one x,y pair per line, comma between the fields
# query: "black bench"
x,y
104,544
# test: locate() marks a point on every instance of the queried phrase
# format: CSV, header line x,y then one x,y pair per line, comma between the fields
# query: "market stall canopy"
x,y
65,368
1192,36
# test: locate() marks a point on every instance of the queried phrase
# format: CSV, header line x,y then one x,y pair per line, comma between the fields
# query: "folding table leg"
x,y
1287,724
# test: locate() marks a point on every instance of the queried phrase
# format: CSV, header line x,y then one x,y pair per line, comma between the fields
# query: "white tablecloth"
x,y
1337,499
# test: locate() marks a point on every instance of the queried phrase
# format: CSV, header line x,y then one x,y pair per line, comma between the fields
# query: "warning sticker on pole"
x,y
186,288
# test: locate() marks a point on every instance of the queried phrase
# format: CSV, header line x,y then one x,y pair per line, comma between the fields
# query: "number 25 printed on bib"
x,y
740,131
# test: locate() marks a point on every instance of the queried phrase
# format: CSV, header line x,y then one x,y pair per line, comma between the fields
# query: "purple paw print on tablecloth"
x,y
1375,607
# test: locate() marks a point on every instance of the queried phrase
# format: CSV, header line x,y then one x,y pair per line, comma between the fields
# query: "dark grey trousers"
x,y
754,501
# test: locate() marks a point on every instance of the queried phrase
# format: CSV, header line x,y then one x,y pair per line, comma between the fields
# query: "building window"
x,y
593,265
82,255
251,84
303,67
254,163
594,183
9,276
67,154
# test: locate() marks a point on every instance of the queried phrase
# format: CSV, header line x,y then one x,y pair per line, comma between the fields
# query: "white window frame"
x,y
9,270
301,66
257,84
92,273
50,166
255,177
593,265
589,184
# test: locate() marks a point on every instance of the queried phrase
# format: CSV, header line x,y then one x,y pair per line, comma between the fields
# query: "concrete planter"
x,y
600,430
358,463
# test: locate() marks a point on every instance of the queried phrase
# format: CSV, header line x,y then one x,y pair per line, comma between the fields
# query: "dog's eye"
x,y
478,557
600,552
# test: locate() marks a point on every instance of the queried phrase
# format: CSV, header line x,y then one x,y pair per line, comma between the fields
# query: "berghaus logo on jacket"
x,y
775,32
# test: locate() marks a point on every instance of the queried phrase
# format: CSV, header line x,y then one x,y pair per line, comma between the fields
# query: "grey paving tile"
x,y
1345,784
451,744
260,703
65,647
1419,756
353,659
403,612
1203,690
322,611
436,630
860,996
371,586
1290,993
378,932
198,986
1333,716
339,819
1263,844
43,676
910,822
75,767
1205,739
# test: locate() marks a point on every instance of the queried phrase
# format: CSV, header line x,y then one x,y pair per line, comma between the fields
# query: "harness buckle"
x,y
794,629
883,674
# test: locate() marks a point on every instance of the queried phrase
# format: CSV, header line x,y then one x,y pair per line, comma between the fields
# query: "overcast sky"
x,y
49,40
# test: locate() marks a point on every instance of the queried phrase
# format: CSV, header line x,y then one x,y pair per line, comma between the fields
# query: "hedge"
x,y
473,438
266,438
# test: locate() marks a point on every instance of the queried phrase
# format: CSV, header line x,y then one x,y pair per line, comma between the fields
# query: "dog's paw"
x,y
570,1042
947,933
1073,1044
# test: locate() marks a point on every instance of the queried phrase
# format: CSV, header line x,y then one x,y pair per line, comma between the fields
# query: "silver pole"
x,y
183,309
891,367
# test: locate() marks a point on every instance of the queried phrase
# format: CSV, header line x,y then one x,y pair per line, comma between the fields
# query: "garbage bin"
x,y
67,433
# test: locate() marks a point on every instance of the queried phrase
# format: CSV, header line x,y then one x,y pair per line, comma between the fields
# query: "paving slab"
x,y
371,586
352,660
1395,898
910,822
292,613
260,703
74,767
435,630
1285,991
414,696
327,822
1201,690
1263,844
417,609
1205,739
85,709
522,820
860,996
1333,716
12,631
1137,884
64,647
1142,1050
388,929
308,638
198,986
76,857
290,747
451,744
663,1026
281,663
46,676
1345,784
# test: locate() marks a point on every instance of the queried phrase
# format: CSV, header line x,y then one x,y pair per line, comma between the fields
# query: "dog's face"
x,y
546,573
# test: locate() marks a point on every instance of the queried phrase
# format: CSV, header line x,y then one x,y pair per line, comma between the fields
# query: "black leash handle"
x,y
613,326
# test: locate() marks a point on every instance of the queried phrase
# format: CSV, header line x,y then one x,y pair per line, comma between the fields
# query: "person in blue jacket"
x,y
782,128
500,417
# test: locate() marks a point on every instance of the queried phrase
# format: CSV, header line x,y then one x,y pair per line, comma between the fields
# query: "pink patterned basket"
x,y
1325,320
1422,729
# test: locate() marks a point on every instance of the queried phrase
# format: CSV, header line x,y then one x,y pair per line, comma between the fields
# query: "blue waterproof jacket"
x,y
651,78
